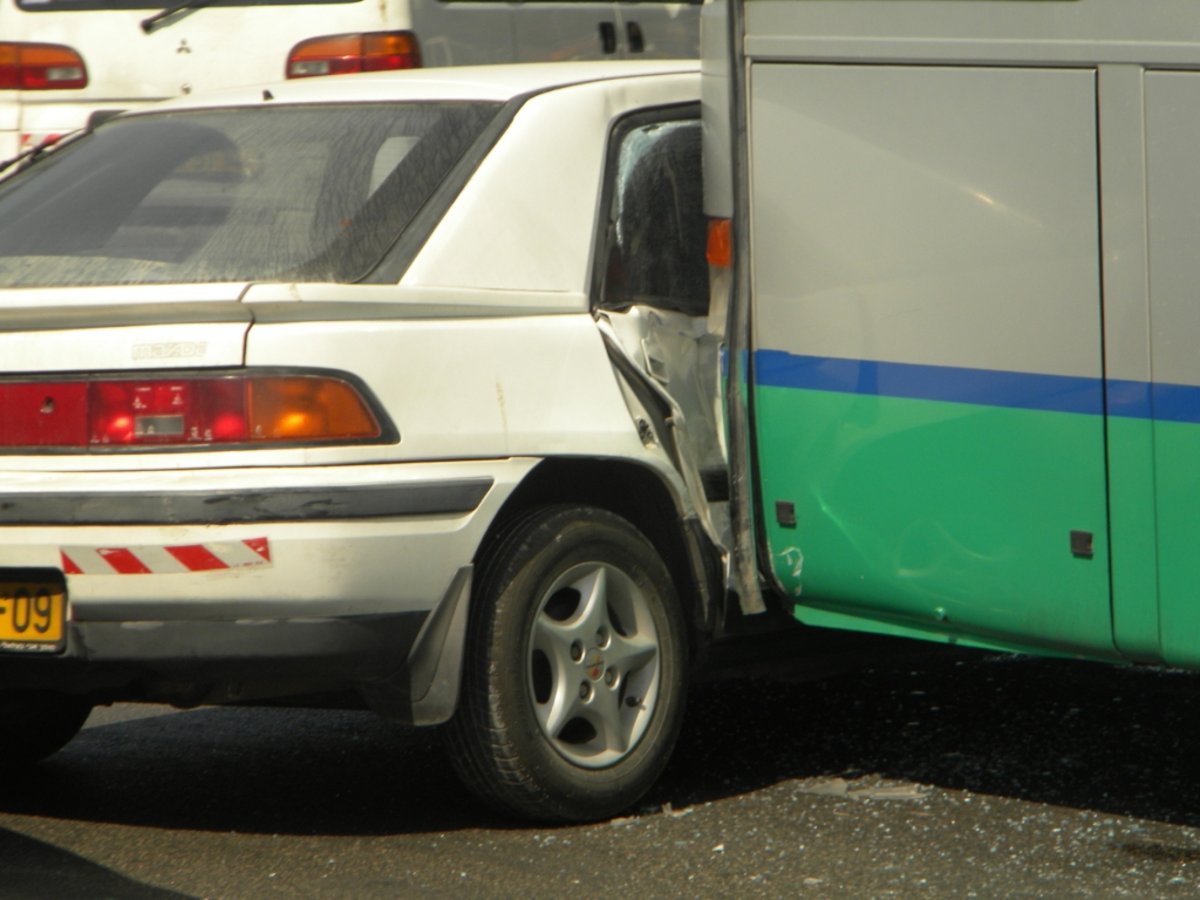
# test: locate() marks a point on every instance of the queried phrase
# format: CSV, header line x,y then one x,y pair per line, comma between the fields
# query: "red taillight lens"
x,y
204,411
343,54
184,411
40,67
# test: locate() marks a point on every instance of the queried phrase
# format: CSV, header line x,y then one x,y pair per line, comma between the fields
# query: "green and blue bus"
x,y
965,293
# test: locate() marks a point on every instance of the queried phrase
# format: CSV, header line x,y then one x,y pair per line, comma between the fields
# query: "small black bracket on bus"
x,y
1082,544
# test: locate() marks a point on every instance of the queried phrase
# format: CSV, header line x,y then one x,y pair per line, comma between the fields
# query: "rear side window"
x,y
314,193
656,227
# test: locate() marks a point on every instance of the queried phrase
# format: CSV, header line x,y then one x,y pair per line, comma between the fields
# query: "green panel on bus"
x,y
954,518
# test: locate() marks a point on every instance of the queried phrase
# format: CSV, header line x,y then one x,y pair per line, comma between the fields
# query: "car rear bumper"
x,y
238,544
404,665
232,655
240,593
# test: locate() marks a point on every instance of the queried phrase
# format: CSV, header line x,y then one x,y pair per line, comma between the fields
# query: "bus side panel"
x,y
1173,191
927,369
1131,500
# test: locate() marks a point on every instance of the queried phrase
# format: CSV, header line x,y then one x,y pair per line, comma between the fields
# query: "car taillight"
x,y
187,410
342,54
40,67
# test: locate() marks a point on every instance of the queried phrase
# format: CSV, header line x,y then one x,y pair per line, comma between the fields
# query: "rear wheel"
x,y
34,724
574,679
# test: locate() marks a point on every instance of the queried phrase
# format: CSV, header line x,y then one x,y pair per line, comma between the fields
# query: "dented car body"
x,y
298,381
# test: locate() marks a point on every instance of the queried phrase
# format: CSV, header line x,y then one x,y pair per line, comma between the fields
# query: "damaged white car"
x,y
396,387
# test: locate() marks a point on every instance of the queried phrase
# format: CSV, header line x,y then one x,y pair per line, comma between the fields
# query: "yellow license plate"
x,y
33,611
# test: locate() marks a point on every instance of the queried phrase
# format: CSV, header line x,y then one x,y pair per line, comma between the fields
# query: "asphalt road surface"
x,y
976,776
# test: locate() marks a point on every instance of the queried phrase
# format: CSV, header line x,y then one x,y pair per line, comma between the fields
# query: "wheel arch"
x,y
639,495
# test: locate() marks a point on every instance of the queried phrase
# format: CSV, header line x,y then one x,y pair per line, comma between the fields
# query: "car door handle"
x,y
608,37
637,41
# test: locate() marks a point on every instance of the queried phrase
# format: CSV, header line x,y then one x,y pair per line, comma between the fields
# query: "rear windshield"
x,y
312,193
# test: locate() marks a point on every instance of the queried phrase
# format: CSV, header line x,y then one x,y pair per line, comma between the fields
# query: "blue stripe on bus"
x,y
985,387
1175,402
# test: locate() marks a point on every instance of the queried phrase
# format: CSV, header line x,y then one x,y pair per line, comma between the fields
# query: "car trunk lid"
x,y
125,330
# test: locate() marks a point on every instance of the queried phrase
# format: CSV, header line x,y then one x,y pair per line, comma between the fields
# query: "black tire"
x,y
569,711
35,724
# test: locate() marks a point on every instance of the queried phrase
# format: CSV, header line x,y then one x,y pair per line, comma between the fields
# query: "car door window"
x,y
655,236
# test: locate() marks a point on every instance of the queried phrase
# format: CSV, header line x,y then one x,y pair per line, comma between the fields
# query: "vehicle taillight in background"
x,y
184,410
40,67
343,54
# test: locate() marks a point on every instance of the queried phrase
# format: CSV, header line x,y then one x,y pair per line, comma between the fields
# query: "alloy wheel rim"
x,y
593,666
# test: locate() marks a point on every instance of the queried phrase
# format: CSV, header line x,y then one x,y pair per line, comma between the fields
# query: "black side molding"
x,y
227,507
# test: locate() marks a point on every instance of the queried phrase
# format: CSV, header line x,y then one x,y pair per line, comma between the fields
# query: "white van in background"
x,y
62,60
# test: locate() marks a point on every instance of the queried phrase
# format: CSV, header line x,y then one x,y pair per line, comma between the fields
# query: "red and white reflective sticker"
x,y
151,560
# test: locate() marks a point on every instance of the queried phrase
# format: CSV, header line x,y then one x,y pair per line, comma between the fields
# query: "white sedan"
x,y
370,387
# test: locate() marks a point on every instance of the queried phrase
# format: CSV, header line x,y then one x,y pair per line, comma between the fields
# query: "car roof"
x,y
489,83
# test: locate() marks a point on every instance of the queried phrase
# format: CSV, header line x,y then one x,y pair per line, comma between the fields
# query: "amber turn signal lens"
x,y
720,242
308,408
